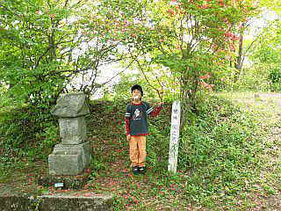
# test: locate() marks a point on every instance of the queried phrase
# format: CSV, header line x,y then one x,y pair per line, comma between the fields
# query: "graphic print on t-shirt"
x,y
137,114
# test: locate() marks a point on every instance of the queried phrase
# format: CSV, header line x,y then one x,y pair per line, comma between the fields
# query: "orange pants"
x,y
137,150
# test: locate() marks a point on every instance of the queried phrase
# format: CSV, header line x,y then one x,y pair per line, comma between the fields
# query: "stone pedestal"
x,y
73,154
69,159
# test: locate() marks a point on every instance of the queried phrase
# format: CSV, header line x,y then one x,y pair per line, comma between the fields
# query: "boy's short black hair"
x,y
138,87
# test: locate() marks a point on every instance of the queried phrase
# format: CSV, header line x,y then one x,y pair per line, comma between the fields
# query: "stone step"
x,y
74,201
67,182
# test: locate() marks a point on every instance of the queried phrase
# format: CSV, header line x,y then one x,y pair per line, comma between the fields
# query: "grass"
x,y
220,161
266,112
228,158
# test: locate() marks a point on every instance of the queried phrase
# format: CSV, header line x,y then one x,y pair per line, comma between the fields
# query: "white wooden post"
x,y
174,137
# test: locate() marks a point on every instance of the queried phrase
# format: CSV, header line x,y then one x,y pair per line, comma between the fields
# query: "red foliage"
x,y
52,16
208,75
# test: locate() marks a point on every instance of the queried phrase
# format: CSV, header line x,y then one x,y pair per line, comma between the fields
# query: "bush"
x,y
255,78
28,132
275,79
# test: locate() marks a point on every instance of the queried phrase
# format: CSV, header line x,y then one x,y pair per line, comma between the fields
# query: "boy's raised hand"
x,y
128,137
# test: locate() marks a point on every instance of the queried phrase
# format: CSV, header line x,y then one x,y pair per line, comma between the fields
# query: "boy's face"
x,y
136,94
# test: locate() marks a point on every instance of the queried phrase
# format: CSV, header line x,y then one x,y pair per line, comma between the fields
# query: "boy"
x,y
137,129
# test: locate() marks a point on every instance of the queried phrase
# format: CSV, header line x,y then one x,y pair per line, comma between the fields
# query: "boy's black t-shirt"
x,y
137,114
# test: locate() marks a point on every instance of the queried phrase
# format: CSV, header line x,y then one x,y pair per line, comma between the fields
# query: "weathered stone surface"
x,y
73,130
69,159
65,163
62,202
71,105
75,201
14,202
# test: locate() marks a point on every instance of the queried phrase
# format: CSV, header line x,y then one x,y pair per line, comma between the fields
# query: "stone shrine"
x,y
73,154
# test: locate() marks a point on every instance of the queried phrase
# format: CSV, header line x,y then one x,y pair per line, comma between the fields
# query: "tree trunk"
x,y
239,59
